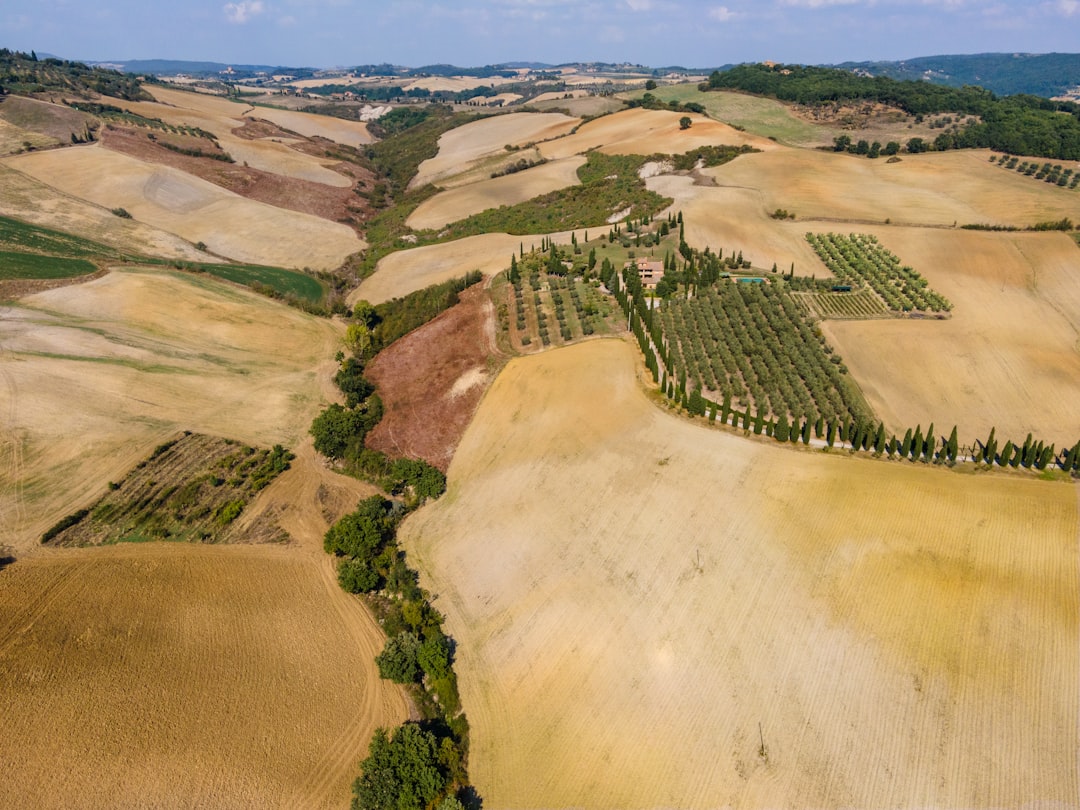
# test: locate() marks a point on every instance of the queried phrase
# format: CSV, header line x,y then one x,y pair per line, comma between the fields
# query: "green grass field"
x,y
16,265
22,236
761,116
285,282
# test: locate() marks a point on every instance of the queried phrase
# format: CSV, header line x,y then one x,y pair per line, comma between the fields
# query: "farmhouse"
x,y
650,272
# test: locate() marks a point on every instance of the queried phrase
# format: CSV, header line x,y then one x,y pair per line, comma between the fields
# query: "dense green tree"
x,y
401,772
398,660
357,576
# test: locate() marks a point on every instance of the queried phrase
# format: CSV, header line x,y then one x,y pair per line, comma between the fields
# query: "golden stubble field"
x,y
171,675
174,675
93,376
634,596
166,198
462,201
463,147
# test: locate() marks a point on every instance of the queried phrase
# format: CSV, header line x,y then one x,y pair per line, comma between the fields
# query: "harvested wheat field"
x,y
172,675
643,132
92,377
28,199
942,189
221,117
1008,357
458,203
488,137
197,210
735,219
637,597
406,271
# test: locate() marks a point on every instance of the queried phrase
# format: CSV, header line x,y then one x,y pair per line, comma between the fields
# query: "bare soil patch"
x,y
173,675
633,594
54,121
432,380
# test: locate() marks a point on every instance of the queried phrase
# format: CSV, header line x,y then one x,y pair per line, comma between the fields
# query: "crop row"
x,y
574,304
859,260
1046,172
750,344
861,304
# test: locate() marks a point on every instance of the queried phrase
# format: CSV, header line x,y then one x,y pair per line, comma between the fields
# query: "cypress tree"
x,y
905,445
782,429
1006,453
1025,459
759,422
746,418
819,427
928,445
917,443
953,446
1044,457
891,446
990,448
879,439
725,408
830,433
806,431
712,412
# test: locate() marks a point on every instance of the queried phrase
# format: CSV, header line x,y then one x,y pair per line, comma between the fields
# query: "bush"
x,y
397,662
357,576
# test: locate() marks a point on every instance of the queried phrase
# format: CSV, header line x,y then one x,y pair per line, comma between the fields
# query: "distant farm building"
x,y
650,272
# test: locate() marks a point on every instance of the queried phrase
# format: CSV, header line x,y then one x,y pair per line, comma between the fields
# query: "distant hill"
x,y
1005,74
169,67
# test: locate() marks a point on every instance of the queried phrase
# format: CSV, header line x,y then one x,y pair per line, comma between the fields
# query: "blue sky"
x,y
694,33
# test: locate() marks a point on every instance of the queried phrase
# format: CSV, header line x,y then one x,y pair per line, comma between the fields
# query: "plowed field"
x,y
651,613
171,675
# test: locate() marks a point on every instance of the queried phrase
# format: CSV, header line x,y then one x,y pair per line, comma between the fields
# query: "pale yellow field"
x,y
409,270
635,596
643,132
350,133
15,139
221,116
930,189
1010,355
455,84
197,210
465,145
457,203
92,377
28,199
171,675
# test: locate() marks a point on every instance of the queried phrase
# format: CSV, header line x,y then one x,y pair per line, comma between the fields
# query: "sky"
x,y
691,33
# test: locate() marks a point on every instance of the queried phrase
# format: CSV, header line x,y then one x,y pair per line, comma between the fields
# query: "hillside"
x,y
1046,74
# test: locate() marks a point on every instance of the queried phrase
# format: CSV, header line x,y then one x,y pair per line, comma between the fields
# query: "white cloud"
x,y
818,3
1068,7
243,11
723,14
639,5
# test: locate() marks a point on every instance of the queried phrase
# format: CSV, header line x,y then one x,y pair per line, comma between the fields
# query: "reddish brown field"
x,y
431,381
292,193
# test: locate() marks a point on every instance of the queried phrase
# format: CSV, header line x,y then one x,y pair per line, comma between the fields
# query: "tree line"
x,y
1020,124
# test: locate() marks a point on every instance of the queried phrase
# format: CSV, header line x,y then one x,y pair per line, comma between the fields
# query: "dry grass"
x,y
197,210
643,132
904,636
170,675
466,145
94,376
458,203
28,199
405,271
